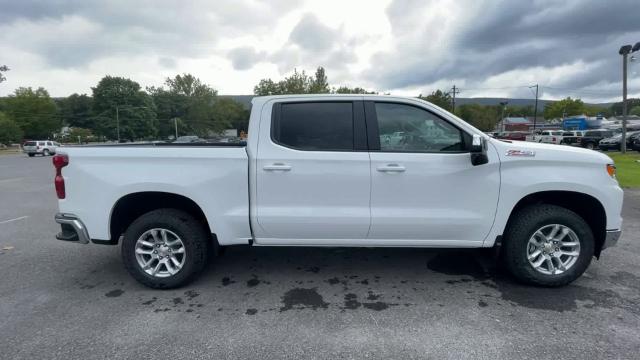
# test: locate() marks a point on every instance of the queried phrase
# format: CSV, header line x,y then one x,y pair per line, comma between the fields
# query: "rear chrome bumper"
x,y
611,239
73,230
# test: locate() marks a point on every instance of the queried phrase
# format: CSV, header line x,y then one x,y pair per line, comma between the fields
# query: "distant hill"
x,y
246,101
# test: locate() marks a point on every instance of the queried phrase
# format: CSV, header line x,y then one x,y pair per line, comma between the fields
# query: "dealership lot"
x,y
60,300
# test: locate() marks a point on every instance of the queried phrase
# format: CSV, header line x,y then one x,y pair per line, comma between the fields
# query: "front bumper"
x,y
611,238
73,230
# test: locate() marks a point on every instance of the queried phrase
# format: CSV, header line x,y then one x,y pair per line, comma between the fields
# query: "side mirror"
x,y
478,150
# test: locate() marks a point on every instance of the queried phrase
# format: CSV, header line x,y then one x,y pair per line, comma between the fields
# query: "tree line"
x,y
118,108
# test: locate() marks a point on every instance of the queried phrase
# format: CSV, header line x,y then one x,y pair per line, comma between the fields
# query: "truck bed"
x,y
214,174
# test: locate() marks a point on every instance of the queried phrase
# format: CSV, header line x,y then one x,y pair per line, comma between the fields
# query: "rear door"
x,y
312,173
424,188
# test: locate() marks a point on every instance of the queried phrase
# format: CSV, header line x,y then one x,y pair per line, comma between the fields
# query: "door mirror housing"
x,y
478,150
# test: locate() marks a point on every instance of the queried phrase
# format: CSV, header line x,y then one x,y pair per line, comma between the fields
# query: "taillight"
x,y
60,161
611,170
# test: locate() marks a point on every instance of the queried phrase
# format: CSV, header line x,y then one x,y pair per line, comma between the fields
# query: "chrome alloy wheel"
x,y
160,252
553,249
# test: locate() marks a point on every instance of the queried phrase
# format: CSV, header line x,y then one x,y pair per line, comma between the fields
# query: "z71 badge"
x,y
521,153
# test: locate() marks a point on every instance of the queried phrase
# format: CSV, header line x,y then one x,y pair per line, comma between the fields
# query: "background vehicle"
x,y
592,138
572,137
188,139
315,172
42,147
613,143
513,135
546,136
635,142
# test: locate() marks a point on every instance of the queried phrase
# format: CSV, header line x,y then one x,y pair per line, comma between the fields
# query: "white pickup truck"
x,y
321,170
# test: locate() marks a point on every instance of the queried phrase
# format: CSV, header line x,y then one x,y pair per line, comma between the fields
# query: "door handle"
x,y
277,167
391,168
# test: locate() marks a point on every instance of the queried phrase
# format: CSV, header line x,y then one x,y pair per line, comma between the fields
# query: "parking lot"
x,y
60,300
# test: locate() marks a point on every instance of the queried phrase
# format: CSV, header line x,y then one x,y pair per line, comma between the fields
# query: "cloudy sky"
x,y
405,47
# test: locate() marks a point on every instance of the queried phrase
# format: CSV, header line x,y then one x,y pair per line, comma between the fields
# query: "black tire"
x,y
590,146
193,235
525,223
31,155
45,152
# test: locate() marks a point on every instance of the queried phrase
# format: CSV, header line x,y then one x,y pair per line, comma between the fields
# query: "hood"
x,y
541,151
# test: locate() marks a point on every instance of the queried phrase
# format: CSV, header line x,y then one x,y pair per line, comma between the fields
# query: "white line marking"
x,y
12,220
9,180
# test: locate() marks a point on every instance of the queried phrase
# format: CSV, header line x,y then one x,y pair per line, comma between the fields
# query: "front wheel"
x,y
547,245
590,146
165,248
45,152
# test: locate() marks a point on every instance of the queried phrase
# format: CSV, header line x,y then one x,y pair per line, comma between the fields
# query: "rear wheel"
x,y
31,154
165,248
45,152
590,146
547,245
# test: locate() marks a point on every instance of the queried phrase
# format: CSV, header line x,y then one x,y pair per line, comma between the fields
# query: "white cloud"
x,y
486,47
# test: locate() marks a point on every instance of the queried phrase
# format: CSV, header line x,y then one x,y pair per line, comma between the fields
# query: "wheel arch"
x,y
585,205
131,206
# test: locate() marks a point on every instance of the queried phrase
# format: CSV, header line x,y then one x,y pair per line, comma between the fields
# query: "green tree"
x,y
319,84
616,109
10,132
635,111
189,100
34,111
78,134
439,98
565,107
482,117
594,110
231,113
3,69
120,101
348,90
301,83
267,87
296,83
521,111
75,111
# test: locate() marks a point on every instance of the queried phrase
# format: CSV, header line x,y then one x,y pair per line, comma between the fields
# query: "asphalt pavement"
x,y
70,301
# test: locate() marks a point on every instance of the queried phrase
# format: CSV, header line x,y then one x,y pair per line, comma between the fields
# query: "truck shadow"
x,y
382,278
256,280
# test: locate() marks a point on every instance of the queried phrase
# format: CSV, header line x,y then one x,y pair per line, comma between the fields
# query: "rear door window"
x,y
314,126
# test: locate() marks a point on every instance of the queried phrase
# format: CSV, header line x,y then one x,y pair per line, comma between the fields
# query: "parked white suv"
x,y
317,171
546,136
42,147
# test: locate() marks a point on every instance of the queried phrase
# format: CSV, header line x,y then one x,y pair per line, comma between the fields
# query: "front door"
x,y
423,185
312,174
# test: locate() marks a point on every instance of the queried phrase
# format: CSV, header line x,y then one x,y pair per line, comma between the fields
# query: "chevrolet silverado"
x,y
342,170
